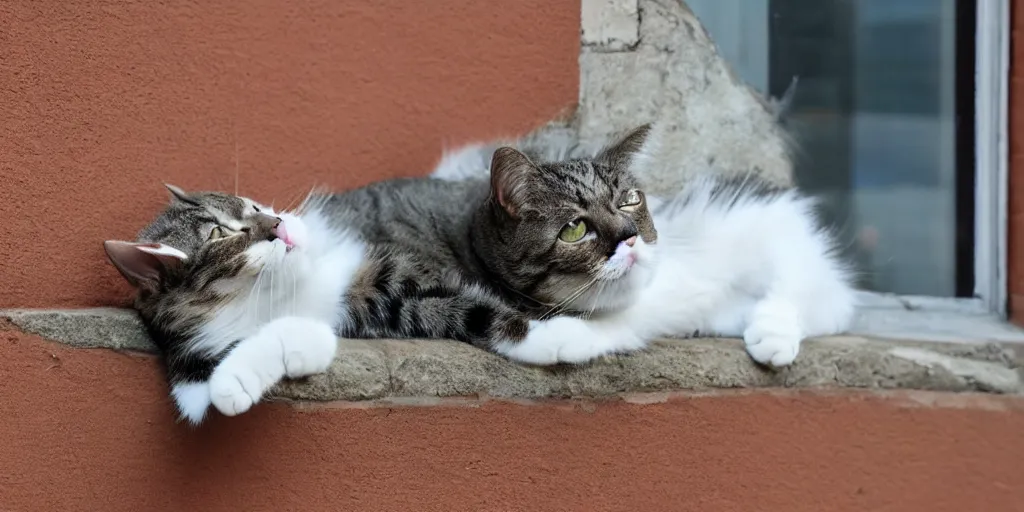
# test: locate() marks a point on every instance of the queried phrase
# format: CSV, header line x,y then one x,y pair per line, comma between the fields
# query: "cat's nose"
x,y
627,234
267,222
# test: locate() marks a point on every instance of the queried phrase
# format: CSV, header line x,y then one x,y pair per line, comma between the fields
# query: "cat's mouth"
x,y
622,260
281,232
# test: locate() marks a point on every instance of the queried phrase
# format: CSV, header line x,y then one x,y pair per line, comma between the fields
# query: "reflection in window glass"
x,y
874,118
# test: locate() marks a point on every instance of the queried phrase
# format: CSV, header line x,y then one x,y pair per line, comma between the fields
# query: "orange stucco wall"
x,y
94,430
102,101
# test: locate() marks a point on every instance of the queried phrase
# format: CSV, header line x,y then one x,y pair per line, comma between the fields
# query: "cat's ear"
x,y
143,265
620,154
177,194
510,171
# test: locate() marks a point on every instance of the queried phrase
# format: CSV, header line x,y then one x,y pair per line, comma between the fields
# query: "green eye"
x,y
632,198
573,232
216,232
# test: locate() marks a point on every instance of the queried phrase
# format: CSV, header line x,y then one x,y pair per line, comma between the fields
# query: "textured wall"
x,y
101,101
93,430
652,61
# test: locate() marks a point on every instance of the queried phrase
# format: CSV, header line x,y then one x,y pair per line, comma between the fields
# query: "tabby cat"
x,y
735,256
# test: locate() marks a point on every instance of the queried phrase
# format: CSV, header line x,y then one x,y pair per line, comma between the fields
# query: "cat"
x,y
731,256
736,256
569,236
237,296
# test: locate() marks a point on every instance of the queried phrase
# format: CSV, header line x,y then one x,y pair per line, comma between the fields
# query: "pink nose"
x,y
630,241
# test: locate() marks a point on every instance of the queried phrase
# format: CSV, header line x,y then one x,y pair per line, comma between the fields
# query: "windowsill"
x,y
941,351
933,320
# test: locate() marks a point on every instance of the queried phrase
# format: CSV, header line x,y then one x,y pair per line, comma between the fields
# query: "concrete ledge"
x,y
382,369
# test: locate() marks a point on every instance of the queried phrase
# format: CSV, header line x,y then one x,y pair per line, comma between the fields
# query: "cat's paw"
x,y
574,339
773,336
558,340
774,350
234,390
309,350
536,348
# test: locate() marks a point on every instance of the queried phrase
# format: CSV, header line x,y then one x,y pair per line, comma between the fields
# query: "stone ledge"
x,y
383,369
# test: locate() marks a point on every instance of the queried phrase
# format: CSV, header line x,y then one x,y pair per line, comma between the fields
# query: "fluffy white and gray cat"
x,y
734,257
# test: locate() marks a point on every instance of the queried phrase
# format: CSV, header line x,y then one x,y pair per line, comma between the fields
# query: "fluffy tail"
x,y
192,399
550,143
468,162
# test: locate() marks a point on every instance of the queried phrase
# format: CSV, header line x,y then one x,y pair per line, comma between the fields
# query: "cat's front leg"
x,y
778,323
287,347
570,340
774,332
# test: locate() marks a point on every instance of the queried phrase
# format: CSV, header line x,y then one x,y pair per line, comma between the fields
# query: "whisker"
x,y
593,305
527,297
561,306
273,298
575,295
295,279
316,196
295,198
256,287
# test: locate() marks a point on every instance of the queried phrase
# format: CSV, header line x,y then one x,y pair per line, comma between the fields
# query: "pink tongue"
x,y
282,233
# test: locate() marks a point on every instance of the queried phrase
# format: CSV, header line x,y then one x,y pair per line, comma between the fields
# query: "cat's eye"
x,y
257,208
573,232
632,198
216,233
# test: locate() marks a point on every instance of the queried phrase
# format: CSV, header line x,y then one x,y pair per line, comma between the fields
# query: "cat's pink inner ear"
x,y
142,265
178,194
166,253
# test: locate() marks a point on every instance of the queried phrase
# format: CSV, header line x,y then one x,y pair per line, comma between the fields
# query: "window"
x,y
885,116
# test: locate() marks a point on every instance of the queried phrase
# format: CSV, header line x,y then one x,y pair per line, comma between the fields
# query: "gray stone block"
x,y
425,369
449,368
360,372
118,329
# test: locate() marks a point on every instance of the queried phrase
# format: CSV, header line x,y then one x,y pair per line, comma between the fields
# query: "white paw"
x,y
309,351
558,340
573,339
534,349
772,350
774,335
234,390
288,346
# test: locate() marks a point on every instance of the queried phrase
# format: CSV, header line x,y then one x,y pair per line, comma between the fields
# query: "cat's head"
x,y
207,247
575,233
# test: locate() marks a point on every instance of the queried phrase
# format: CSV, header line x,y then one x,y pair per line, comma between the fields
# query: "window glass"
x,y
875,121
